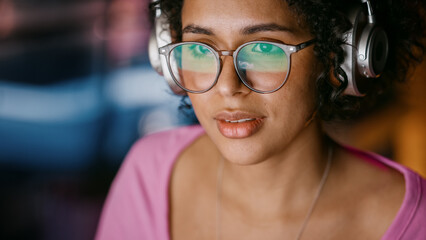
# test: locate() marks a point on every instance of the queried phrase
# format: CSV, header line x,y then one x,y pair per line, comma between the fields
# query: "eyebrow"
x,y
267,27
197,30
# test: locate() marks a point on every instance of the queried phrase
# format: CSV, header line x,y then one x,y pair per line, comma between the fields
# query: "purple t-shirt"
x,y
137,204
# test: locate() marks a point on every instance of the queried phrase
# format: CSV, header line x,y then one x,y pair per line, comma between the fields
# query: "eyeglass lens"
x,y
262,66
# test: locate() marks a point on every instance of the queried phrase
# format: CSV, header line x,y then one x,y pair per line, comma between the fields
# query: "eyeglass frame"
x,y
287,48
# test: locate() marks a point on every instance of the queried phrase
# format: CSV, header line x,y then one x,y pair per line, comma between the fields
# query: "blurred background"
x,y
76,90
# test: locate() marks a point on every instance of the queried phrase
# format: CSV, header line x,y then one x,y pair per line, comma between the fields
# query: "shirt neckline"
x,y
399,224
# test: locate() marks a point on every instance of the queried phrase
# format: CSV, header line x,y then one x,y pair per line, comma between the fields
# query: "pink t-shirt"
x,y
137,204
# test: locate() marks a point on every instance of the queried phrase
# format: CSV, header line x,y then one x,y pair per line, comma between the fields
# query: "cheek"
x,y
303,81
298,95
200,104
294,104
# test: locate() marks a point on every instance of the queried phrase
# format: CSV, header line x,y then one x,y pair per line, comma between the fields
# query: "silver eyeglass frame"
x,y
288,49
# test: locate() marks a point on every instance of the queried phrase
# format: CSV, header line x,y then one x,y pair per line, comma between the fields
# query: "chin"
x,y
243,152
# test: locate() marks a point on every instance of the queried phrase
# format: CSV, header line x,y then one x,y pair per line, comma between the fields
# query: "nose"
x,y
228,83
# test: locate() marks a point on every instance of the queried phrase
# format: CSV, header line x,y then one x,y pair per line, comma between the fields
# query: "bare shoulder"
x,y
369,192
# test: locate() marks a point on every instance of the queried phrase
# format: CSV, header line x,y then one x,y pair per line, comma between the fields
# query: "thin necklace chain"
x,y
309,213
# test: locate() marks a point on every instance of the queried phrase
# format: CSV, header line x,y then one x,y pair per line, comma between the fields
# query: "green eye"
x,y
262,57
266,48
199,51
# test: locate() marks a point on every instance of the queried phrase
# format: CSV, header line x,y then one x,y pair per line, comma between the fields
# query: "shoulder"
x,y
165,142
410,219
137,203
151,156
413,212
150,159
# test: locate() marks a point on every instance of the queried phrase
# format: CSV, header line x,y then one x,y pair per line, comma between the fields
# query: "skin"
x,y
271,176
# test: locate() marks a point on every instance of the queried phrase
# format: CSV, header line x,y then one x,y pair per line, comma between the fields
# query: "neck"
x,y
282,183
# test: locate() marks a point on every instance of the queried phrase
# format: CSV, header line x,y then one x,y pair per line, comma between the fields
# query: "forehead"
x,y
228,17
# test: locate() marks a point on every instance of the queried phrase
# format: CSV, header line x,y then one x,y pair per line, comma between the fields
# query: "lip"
x,y
238,124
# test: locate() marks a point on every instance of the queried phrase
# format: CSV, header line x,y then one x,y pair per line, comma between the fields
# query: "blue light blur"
x,y
72,94
76,91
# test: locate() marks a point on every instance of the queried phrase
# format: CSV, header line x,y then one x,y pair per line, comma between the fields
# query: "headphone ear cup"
x,y
154,56
350,51
161,36
373,50
366,51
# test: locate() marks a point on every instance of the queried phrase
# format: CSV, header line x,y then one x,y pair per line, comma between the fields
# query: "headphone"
x,y
161,36
366,49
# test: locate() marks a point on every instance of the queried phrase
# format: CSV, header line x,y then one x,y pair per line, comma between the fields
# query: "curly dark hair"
x,y
403,20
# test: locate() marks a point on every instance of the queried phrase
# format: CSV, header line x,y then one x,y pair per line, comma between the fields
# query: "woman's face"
x,y
248,127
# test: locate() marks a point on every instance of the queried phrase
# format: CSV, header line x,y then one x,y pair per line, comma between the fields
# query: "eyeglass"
x,y
262,66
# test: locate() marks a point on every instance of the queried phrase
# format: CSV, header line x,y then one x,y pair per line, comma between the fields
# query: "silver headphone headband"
x,y
371,18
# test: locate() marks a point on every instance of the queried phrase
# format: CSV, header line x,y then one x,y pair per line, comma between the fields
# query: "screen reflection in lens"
x,y
195,66
263,66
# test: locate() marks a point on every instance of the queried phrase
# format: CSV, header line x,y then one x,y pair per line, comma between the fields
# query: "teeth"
x,y
240,120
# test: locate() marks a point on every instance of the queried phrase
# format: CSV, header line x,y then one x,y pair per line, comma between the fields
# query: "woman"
x,y
260,166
